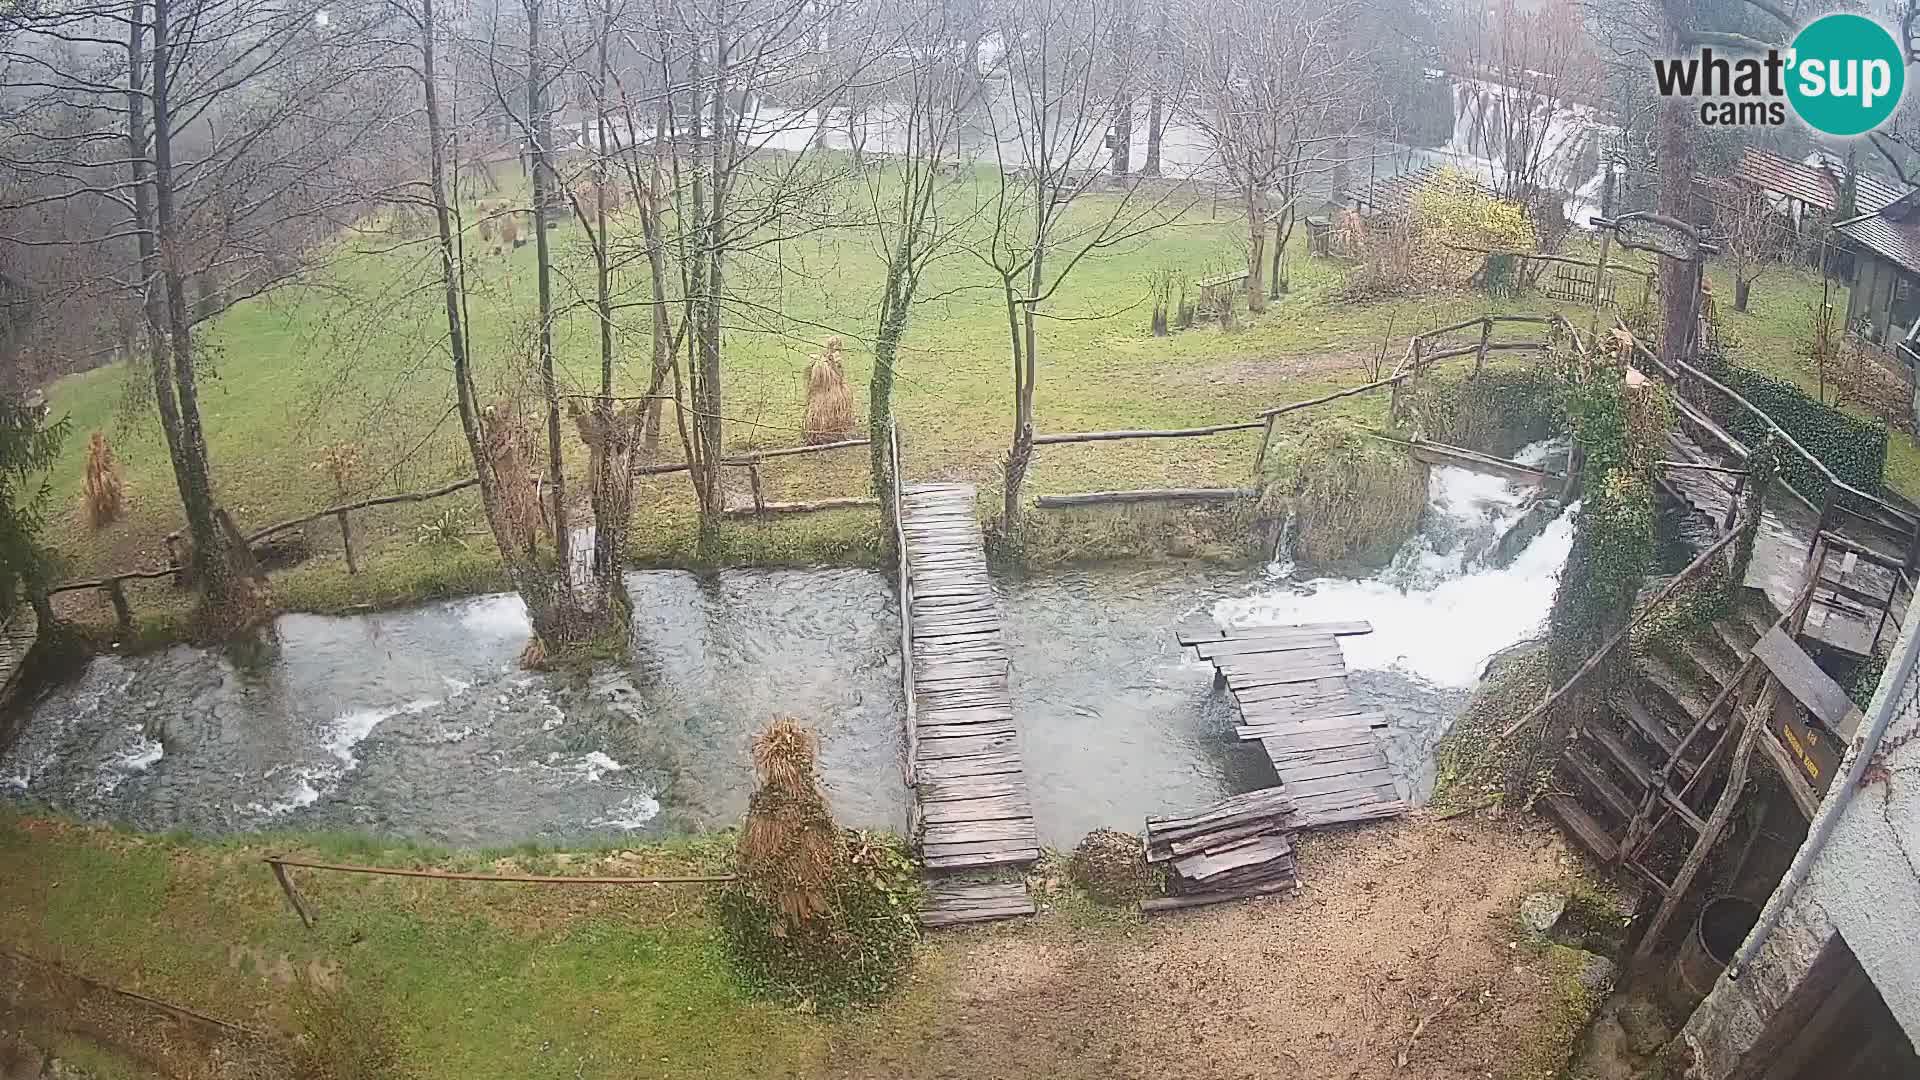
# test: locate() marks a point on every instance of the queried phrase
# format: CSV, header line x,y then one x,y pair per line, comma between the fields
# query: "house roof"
x,y
1393,195
1815,185
1891,232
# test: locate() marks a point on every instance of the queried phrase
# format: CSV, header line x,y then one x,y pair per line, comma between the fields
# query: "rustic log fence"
x,y
1886,516
895,468
114,585
1421,354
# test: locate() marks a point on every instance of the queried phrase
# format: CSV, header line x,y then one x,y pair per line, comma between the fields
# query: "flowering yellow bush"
x,y
1452,213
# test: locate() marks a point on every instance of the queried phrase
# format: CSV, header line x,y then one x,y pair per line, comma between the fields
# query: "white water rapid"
x,y
1440,609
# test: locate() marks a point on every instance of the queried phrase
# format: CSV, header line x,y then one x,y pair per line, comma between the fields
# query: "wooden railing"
x,y
1888,517
1418,361
898,473
114,585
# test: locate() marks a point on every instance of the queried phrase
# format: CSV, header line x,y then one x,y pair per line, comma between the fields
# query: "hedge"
x,y
1855,449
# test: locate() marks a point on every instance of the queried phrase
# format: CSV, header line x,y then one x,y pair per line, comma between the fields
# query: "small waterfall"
x,y
1570,142
1440,609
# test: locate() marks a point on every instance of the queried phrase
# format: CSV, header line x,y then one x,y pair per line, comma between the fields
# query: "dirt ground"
x,y
1397,925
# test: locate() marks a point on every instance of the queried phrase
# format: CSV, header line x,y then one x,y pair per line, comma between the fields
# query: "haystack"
x,y
103,489
790,848
829,415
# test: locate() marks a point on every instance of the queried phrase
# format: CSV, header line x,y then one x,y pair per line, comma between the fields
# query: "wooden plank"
x,y
988,764
1228,647
1373,779
970,832
1284,746
1809,685
984,808
1282,660
971,788
1287,726
1164,904
936,749
1255,850
980,862
1240,681
997,848
956,731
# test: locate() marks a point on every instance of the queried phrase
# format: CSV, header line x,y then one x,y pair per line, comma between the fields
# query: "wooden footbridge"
x,y
971,811
1290,683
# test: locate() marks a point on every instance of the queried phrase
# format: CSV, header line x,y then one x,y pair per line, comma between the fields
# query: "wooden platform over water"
x,y
1291,685
970,788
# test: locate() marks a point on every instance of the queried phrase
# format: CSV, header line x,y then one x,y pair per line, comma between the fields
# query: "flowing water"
x,y
418,723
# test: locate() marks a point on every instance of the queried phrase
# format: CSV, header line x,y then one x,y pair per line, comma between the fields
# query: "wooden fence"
x,y
1423,351
896,470
114,585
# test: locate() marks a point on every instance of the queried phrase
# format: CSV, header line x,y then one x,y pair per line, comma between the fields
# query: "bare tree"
x,y
211,132
1276,92
927,89
1750,235
1049,213
1536,65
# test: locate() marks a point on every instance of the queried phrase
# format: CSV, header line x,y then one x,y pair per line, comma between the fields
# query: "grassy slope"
x,y
357,358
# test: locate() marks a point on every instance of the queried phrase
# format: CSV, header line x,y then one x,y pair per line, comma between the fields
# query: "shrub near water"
x,y
1355,499
817,915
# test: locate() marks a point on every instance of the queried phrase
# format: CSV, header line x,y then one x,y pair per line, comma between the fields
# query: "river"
x,y
418,723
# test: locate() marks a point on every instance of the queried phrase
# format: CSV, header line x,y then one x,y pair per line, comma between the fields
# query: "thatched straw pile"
x,y
829,403
103,490
790,847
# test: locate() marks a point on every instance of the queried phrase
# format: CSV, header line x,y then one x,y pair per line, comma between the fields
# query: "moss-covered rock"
x,y
1110,867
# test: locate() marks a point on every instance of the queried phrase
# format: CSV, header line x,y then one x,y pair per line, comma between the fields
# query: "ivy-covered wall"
x,y
1855,449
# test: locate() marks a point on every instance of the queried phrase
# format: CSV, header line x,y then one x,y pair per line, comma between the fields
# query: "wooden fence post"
x,y
122,611
1826,511
293,894
1486,331
346,542
759,501
1260,459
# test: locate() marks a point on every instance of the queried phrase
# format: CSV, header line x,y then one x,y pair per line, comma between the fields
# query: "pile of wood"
x,y
1239,847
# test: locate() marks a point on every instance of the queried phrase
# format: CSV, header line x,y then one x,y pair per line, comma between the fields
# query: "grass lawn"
x,y
491,980
356,357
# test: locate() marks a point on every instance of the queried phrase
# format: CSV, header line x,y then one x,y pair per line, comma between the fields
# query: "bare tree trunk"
x,y
886,353
539,134
161,365
1156,110
1256,247
196,494
649,207
613,473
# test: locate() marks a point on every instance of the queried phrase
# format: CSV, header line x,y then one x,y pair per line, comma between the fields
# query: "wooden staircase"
x,y
1641,765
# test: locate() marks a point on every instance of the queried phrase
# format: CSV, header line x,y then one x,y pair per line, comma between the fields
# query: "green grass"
x,y
481,980
355,356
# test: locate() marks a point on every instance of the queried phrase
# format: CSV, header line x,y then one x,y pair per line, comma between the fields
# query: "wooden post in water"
x,y
346,542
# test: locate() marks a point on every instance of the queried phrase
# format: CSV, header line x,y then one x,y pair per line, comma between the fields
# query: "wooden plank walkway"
x,y
958,905
1291,685
970,789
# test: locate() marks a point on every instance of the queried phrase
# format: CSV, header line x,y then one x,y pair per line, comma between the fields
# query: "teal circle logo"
x,y
1846,74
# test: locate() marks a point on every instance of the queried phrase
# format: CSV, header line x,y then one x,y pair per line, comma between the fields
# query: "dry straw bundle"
x,y
104,492
790,847
829,416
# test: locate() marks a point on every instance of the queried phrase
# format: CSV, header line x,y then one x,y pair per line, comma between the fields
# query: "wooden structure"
x,y
17,637
970,790
1218,293
1290,683
114,585
1236,848
957,904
